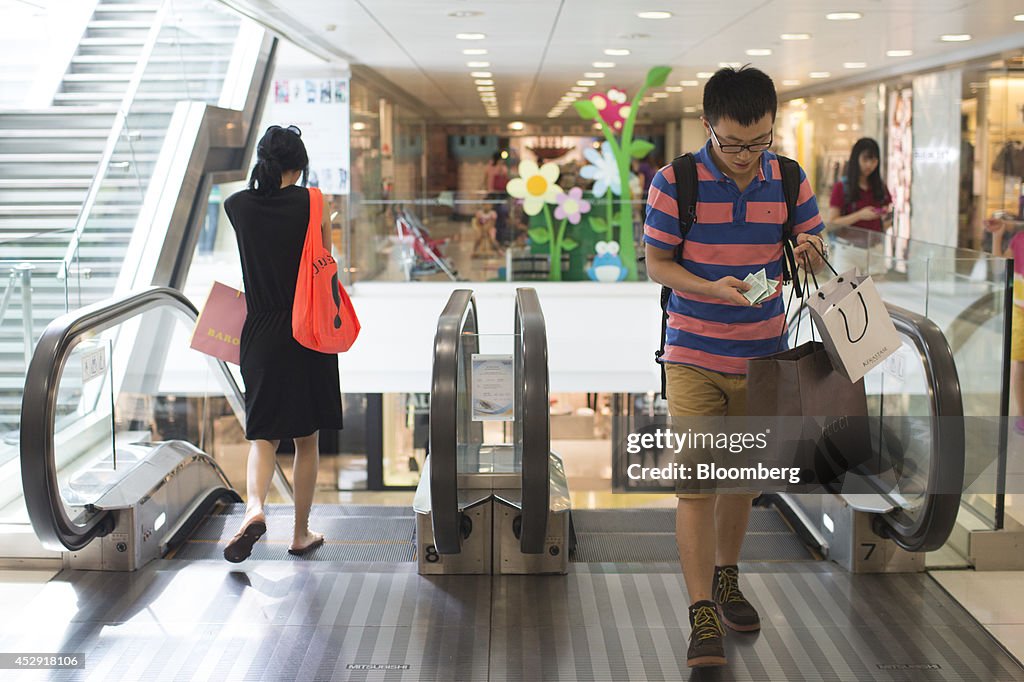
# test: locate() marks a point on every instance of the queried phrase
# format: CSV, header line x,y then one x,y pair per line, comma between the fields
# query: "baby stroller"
x,y
421,255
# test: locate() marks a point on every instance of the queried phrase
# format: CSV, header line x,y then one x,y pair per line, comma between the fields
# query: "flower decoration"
x,y
572,206
535,186
613,107
603,170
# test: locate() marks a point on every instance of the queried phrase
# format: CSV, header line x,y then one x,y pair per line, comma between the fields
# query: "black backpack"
x,y
685,168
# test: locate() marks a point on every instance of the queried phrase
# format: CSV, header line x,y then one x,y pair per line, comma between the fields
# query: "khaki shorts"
x,y
698,392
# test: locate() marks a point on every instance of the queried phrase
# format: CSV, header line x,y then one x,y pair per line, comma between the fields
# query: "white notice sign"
x,y
493,382
94,364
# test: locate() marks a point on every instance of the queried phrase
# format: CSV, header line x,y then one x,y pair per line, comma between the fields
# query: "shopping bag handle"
x,y
846,322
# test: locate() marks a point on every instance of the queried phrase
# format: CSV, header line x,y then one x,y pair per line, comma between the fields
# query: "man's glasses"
x,y
737,148
290,129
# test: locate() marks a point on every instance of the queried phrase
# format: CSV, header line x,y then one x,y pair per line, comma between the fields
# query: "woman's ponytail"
x,y
279,150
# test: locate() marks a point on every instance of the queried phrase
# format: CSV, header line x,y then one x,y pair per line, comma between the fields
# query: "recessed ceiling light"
x,y
673,88
854,65
593,74
704,74
955,37
462,14
478,65
688,84
842,127
358,125
654,15
789,82
795,36
554,115
470,36
690,110
899,53
588,83
843,16
759,52
492,114
615,52
516,125
1018,17
480,74
474,51
820,74
579,88
484,81
729,65
604,65
660,95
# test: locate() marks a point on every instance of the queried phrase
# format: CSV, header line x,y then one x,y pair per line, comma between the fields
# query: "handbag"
x,y
218,331
323,318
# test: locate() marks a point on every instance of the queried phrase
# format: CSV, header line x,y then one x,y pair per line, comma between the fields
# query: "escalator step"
x,y
348,529
395,552
762,520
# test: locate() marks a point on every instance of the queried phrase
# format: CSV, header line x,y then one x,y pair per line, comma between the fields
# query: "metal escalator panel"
x,y
915,415
114,424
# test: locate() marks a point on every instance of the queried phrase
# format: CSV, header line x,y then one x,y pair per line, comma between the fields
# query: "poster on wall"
x,y
320,108
899,171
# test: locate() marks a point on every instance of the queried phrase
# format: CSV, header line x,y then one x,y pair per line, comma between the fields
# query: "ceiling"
x,y
538,49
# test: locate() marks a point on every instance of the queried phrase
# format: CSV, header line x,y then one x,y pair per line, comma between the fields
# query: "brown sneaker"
x,y
706,633
738,613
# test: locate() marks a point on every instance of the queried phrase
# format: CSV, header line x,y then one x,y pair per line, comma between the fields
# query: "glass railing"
x,y
188,55
965,294
109,381
479,237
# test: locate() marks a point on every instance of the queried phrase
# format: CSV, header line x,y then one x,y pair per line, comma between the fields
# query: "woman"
x,y
495,174
290,391
861,200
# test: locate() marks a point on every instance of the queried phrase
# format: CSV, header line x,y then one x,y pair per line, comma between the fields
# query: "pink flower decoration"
x,y
571,205
613,106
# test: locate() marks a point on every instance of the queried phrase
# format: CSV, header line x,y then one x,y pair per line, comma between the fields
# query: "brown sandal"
x,y
308,548
240,546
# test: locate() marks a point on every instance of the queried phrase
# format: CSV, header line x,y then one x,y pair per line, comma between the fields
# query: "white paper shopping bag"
x,y
854,324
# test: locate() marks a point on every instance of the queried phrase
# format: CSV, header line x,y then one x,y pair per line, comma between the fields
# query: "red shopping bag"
x,y
218,330
323,318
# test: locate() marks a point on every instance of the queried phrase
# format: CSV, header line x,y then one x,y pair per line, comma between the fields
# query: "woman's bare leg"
x,y
259,471
304,471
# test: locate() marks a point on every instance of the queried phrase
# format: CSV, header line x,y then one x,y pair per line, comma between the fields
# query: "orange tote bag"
x,y
323,318
218,330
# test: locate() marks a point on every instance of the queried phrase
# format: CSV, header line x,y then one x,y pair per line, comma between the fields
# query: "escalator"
x,y
620,608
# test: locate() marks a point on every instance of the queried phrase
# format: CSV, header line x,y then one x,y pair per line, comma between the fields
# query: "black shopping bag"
x,y
824,423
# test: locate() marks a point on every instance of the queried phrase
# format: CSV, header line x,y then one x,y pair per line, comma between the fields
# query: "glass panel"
x,y
474,236
134,384
485,435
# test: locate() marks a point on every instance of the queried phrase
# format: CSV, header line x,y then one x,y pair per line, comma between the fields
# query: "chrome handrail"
x,y
50,521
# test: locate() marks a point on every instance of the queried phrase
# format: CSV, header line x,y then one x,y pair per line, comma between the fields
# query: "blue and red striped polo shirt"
x,y
736,233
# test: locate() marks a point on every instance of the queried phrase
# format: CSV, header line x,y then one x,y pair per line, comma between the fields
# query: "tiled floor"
x,y
995,599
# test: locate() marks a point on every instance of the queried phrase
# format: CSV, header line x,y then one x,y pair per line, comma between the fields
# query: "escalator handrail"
x,y
935,522
46,512
533,421
458,317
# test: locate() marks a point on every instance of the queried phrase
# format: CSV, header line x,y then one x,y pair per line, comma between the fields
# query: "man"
x,y
713,330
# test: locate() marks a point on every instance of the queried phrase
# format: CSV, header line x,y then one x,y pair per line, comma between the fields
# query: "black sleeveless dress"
x,y
290,391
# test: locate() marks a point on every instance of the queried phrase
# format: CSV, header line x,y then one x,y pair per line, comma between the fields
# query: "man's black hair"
x,y
744,95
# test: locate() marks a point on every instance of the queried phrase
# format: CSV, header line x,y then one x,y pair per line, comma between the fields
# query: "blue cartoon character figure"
x,y
607,265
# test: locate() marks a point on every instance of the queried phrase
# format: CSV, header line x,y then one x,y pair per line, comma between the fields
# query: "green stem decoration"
x,y
608,212
554,247
626,149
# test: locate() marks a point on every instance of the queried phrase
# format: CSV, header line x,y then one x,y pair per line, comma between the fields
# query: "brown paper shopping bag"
x,y
218,330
